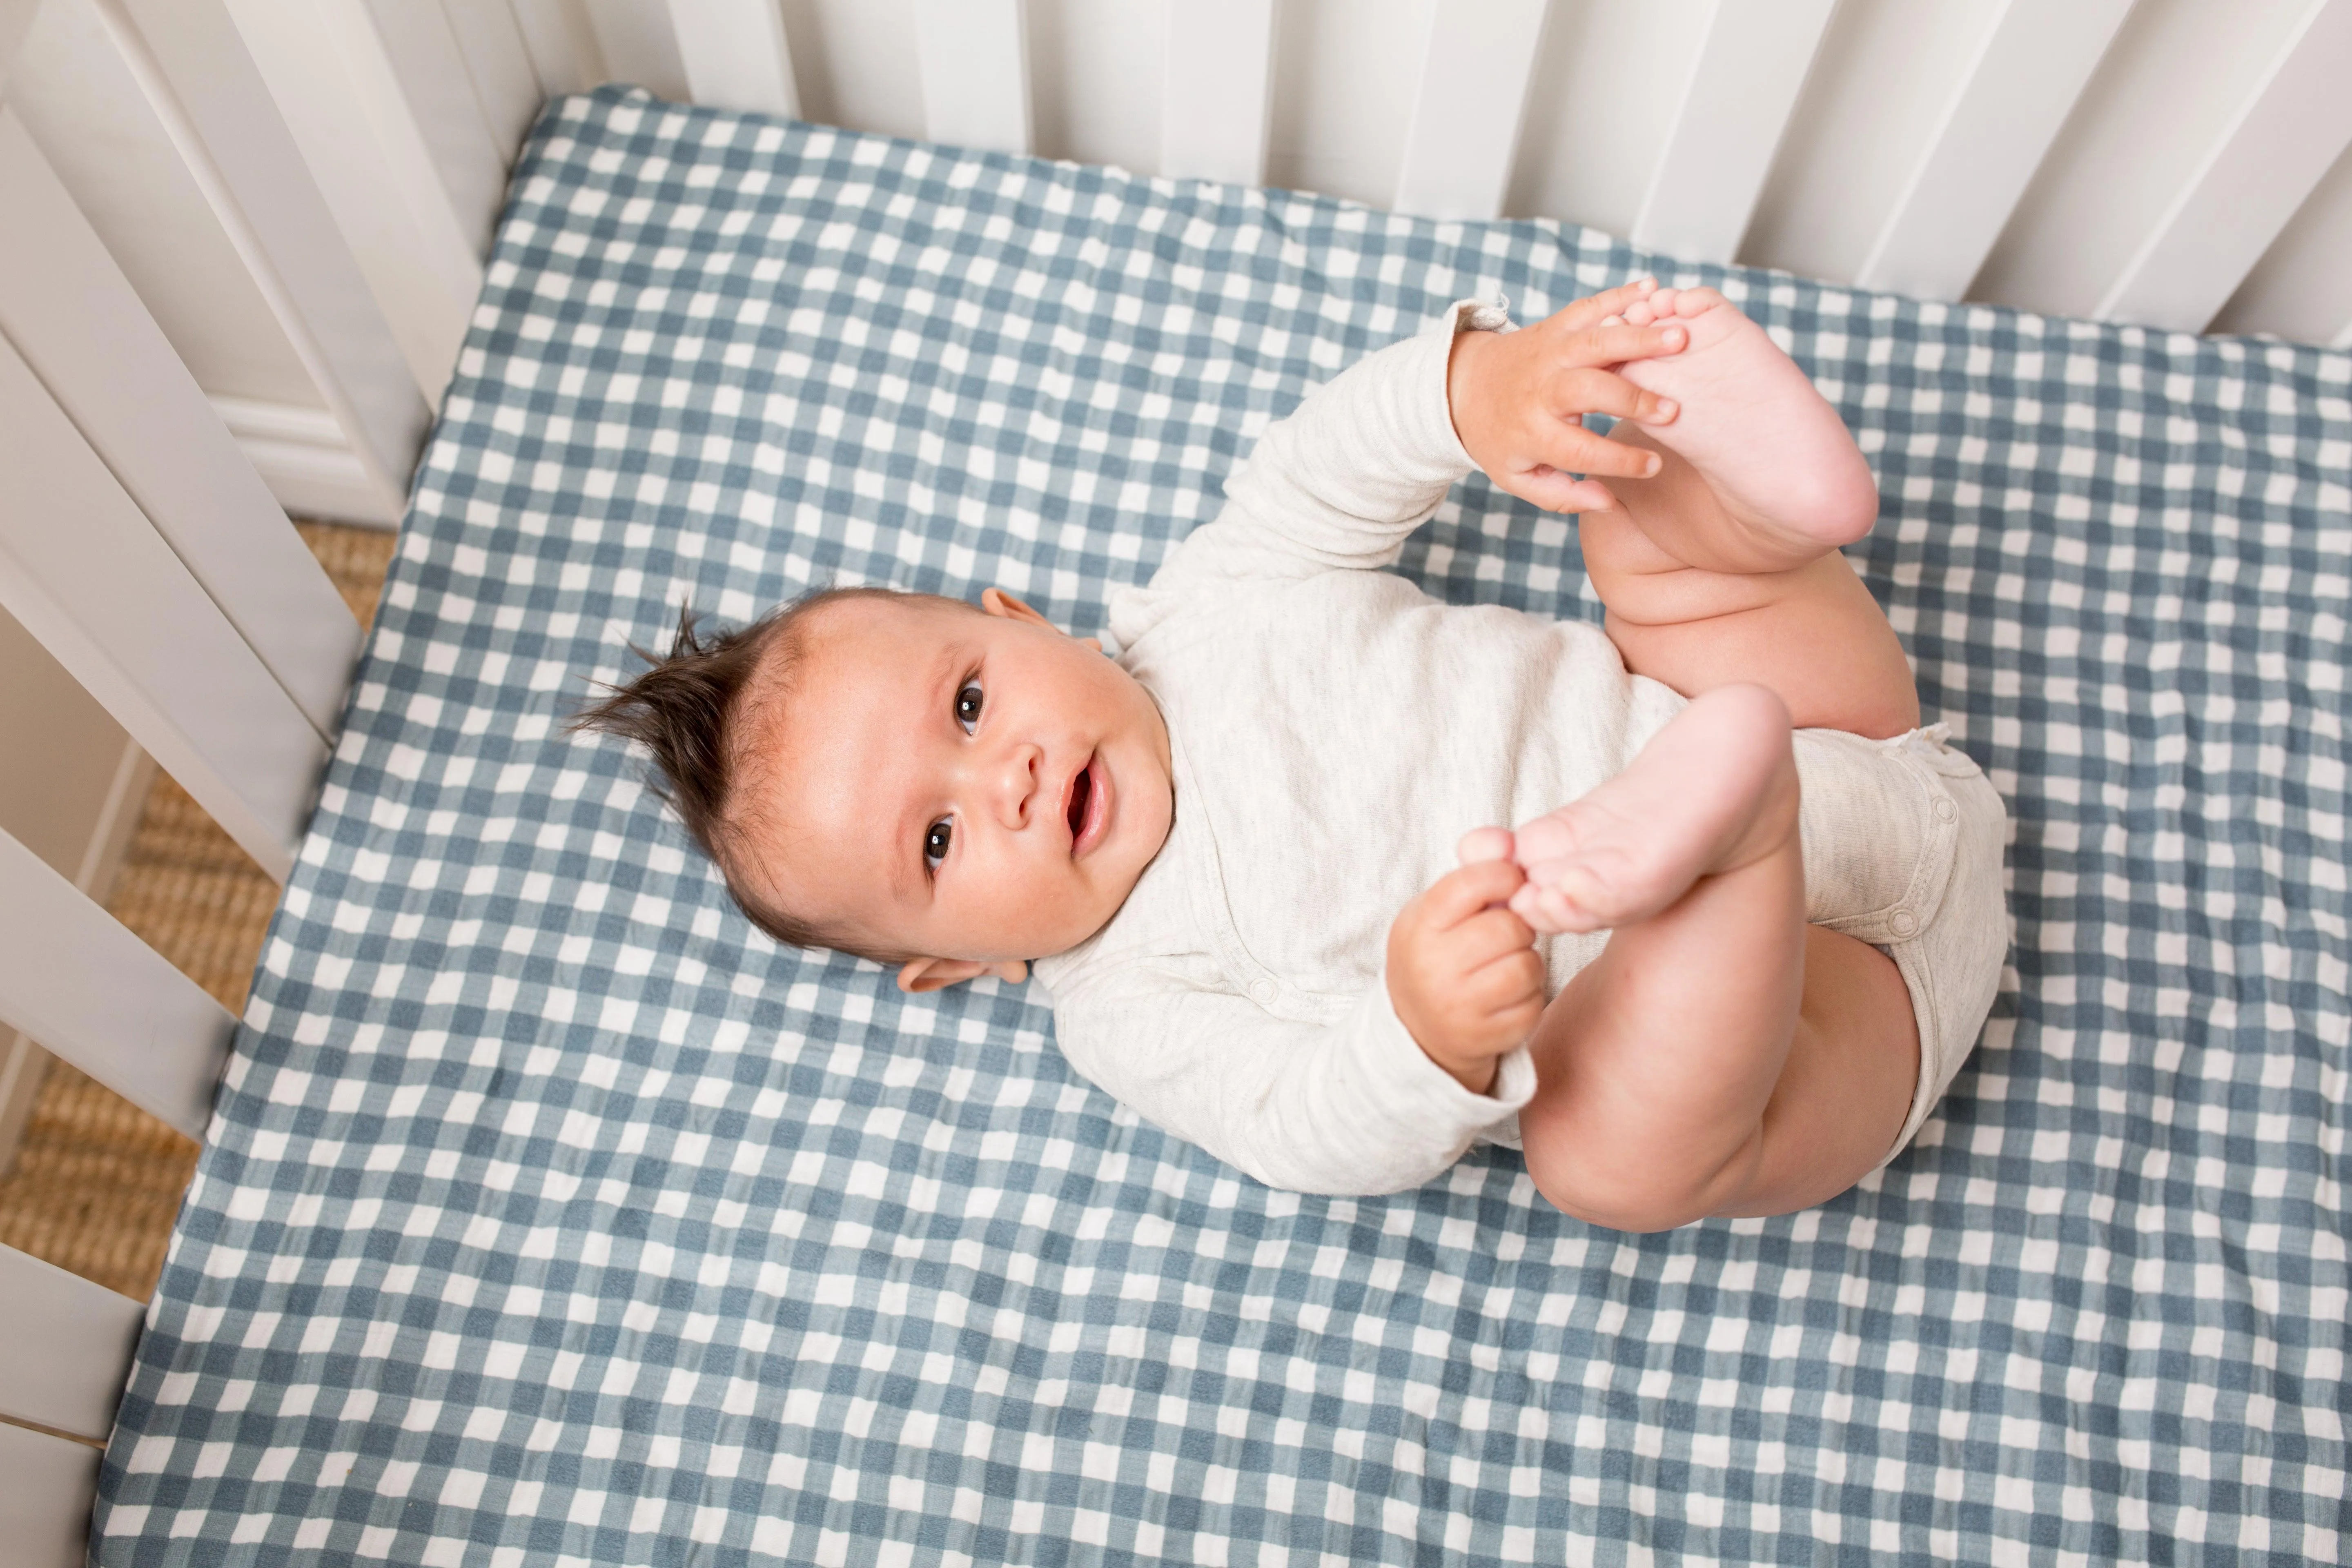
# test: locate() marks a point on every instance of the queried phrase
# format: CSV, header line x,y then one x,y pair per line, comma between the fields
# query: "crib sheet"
x,y
553,1215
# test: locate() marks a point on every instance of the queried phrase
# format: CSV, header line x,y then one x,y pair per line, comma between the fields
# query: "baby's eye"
x,y
934,842
967,705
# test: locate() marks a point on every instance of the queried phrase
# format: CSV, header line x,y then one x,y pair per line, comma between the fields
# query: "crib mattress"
x,y
551,1215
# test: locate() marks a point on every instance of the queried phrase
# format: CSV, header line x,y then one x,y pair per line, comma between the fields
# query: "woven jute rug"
x,y
97,1182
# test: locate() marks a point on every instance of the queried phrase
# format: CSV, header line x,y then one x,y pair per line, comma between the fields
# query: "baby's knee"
x,y
1602,1191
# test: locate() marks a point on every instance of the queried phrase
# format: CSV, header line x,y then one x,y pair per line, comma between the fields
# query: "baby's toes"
x,y
1546,912
1564,894
1696,302
1545,838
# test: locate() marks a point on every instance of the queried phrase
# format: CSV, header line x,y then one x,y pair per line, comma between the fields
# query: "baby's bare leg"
x,y
1721,1056
1725,565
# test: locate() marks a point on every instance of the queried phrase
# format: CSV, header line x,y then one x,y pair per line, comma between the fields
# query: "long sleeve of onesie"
x,y
1342,481
1351,1106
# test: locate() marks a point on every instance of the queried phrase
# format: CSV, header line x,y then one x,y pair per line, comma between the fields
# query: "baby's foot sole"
x,y
1711,792
1756,428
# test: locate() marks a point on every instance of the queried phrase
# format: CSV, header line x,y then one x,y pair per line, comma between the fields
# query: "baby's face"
x,y
970,787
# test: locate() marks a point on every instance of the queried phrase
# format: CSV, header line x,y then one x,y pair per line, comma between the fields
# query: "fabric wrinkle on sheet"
x,y
1334,731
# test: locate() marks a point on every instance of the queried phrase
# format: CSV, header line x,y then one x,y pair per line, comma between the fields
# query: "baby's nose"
x,y
1017,785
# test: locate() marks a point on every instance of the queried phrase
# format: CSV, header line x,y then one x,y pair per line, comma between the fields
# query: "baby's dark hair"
x,y
692,709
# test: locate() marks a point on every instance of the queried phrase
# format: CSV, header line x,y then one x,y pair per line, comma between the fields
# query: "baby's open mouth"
x,y
1082,790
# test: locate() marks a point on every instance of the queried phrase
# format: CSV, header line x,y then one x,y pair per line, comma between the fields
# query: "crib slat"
x,y
47,1488
735,55
76,980
428,76
210,102
65,1346
491,49
2301,288
638,45
2030,69
1213,96
327,72
82,328
1751,62
2281,141
85,572
1466,113
563,45
15,21
973,56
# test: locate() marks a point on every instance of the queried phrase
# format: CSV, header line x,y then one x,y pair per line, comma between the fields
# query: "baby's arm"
x,y
1346,478
1380,1099
1351,1104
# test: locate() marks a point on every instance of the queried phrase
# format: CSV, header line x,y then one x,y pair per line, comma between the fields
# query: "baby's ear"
x,y
920,974
997,602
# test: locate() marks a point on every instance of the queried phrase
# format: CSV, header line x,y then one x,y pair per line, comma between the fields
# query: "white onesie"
x,y
1334,730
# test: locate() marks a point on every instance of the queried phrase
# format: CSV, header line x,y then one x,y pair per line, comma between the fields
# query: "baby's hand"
x,y
1463,969
1519,400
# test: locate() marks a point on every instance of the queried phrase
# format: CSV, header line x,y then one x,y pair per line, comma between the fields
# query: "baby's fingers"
x,y
1617,342
1490,935
1607,304
1580,451
1510,981
1573,393
1555,491
1461,895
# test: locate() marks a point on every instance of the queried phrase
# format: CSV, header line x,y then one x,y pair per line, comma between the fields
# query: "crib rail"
x,y
65,1344
111,601
69,312
39,1476
76,980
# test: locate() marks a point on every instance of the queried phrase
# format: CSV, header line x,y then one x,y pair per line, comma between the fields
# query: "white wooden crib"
x,y
2173,163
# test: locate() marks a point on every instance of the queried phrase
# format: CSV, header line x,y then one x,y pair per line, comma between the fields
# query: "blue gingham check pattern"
x,y
551,1215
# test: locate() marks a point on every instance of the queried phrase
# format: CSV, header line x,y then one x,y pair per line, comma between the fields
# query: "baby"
x,y
1748,923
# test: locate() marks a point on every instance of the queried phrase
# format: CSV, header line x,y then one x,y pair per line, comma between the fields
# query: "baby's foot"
x,y
1714,790
1766,441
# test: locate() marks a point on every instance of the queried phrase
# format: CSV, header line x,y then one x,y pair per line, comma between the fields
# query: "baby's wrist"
x,y
1475,1074
1465,369
1471,1070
